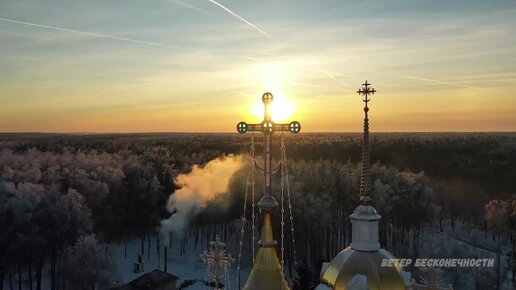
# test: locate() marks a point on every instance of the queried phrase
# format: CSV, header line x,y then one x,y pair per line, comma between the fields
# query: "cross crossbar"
x,y
268,127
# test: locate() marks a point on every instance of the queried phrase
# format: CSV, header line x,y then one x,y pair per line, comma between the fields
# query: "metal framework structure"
x,y
268,127
218,261
365,181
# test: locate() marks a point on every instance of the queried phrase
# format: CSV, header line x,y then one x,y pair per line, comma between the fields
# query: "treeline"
x,y
54,194
324,194
62,196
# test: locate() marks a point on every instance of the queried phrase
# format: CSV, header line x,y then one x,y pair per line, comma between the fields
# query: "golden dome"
x,y
350,263
266,273
360,265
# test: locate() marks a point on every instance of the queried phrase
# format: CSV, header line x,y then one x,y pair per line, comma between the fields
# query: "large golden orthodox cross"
x,y
268,127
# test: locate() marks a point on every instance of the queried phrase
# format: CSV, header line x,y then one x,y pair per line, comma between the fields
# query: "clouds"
x,y
128,54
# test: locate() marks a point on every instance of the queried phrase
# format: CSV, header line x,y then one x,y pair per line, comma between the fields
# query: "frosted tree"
x,y
501,220
87,265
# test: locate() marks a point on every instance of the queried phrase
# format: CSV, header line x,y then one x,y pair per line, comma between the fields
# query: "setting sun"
x,y
281,108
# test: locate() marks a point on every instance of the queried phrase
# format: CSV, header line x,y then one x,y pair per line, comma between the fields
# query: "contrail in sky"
x,y
180,3
424,79
240,18
95,34
412,78
331,75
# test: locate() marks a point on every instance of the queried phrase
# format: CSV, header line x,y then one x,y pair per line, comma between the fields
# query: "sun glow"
x,y
281,109
273,76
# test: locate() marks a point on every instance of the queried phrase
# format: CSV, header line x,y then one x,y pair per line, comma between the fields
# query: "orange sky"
x,y
191,66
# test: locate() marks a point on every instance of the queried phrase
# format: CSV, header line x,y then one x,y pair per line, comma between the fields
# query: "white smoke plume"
x,y
198,188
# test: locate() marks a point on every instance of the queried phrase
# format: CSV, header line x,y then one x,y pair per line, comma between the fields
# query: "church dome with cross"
x,y
360,265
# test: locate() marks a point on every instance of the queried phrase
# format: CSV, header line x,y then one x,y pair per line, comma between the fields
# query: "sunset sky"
x,y
202,65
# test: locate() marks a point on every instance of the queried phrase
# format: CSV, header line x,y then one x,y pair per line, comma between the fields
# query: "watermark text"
x,y
439,263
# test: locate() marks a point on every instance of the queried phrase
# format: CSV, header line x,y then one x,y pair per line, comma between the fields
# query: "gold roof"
x,y
348,263
266,273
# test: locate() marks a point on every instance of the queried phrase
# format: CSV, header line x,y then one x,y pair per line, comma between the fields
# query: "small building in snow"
x,y
155,280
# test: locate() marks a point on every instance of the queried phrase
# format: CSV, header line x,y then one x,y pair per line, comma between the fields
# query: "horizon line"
x,y
231,132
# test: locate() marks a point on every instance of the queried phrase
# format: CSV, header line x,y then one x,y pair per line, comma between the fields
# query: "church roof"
x,y
267,272
149,281
365,212
349,263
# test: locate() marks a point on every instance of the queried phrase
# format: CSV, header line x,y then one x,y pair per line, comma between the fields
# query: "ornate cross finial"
x,y
365,180
365,91
218,260
268,127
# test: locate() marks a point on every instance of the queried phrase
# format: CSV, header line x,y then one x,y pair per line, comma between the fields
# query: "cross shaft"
x,y
365,179
268,127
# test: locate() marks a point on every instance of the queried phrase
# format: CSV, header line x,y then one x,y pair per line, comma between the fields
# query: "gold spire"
x,y
361,262
267,272
365,181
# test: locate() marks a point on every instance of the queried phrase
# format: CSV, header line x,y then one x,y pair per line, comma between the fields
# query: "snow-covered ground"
x,y
187,266
464,242
456,243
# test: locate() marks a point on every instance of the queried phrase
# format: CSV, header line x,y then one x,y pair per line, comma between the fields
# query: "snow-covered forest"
x,y
65,198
